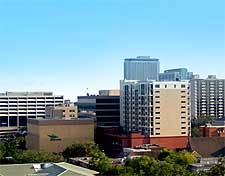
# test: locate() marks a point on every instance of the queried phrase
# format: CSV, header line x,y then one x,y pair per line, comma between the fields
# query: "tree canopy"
x,y
80,150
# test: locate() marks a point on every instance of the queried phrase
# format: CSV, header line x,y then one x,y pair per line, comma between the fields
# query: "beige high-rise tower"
x,y
157,109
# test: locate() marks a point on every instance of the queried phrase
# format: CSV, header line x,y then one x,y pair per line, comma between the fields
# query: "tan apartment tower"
x,y
160,110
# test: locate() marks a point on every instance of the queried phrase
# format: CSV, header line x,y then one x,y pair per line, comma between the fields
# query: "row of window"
x,y
158,86
22,112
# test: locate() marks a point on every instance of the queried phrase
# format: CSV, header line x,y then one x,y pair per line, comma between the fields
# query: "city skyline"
x,y
69,47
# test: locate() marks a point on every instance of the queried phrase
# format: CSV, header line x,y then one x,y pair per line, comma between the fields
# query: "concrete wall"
x,y
67,131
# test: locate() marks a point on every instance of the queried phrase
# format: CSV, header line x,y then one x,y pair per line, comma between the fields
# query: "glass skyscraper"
x,y
175,75
141,68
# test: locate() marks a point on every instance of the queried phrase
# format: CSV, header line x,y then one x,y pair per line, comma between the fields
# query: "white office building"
x,y
16,107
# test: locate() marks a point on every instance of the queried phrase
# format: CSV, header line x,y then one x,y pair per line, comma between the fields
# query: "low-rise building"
x,y
208,146
45,169
204,164
215,129
64,111
55,135
113,140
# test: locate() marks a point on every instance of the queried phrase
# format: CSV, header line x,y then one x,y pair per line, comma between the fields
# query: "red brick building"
x,y
212,131
113,140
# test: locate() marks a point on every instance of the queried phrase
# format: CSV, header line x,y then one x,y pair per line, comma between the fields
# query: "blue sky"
x,y
68,46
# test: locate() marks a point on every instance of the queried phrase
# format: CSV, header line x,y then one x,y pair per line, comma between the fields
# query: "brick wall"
x,y
170,142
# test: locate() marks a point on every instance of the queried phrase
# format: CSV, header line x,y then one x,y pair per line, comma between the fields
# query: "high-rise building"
x,y
17,107
207,97
141,68
157,109
105,107
178,74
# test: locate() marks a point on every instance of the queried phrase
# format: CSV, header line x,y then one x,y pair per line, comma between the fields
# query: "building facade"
x,y
55,135
160,110
141,68
105,107
17,107
178,74
65,111
207,97
214,129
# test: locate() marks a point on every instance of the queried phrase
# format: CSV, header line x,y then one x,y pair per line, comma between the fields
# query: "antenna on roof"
x,y
87,92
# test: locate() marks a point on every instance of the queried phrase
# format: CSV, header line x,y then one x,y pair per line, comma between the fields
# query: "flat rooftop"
x,y
27,94
51,122
51,169
142,58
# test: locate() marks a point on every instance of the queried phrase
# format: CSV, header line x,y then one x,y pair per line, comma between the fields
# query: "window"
x,y
157,102
175,85
157,107
183,91
183,101
157,91
183,117
157,117
157,128
183,86
183,96
165,85
183,132
157,112
183,122
157,123
183,106
157,96
157,86
183,128
157,133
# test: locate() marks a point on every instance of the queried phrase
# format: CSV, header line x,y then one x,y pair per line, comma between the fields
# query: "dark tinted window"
x,y
13,121
111,100
23,121
3,121
107,107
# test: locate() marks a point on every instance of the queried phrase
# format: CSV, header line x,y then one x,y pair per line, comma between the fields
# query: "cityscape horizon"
x,y
83,45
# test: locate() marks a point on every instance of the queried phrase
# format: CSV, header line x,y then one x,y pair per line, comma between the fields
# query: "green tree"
x,y
164,168
196,123
185,158
80,150
195,131
2,151
10,148
201,173
100,162
32,156
121,171
20,142
218,169
144,165
164,153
